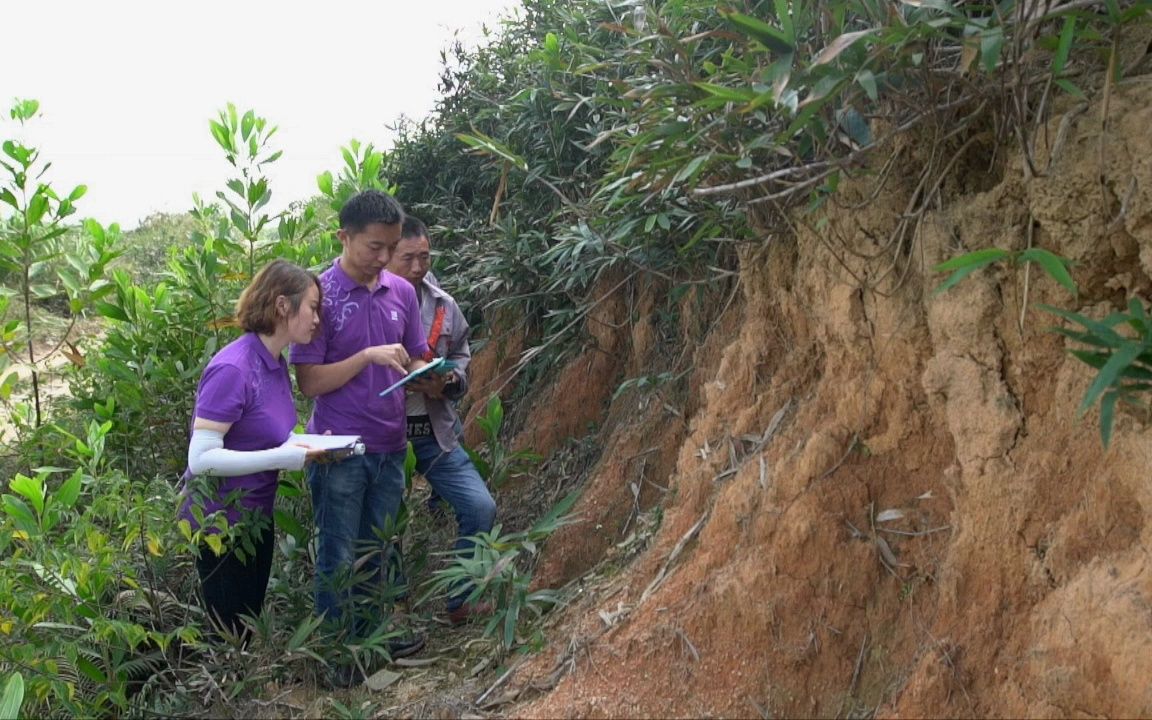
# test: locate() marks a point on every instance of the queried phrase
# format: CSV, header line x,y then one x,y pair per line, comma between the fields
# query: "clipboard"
x,y
323,442
337,446
431,366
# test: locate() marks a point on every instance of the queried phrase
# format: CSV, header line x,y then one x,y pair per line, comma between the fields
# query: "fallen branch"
x,y
662,575
500,680
908,533
859,666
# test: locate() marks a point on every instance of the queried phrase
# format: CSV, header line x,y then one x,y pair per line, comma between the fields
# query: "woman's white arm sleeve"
x,y
207,456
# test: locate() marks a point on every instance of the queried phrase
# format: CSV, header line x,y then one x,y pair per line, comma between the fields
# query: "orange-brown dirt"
x,y
1010,574
493,371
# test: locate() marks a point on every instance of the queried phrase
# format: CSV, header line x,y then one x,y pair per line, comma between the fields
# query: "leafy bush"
x,y
73,556
1123,361
588,139
37,264
495,462
93,565
143,376
496,569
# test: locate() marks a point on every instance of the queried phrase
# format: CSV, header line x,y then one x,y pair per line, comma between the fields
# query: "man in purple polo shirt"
x,y
370,336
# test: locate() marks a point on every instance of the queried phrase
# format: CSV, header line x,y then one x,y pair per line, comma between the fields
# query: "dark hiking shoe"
x,y
408,644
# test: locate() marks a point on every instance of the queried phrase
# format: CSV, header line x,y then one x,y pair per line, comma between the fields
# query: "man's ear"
x,y
342,236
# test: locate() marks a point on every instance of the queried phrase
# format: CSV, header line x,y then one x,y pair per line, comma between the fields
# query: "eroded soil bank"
x,y
871,500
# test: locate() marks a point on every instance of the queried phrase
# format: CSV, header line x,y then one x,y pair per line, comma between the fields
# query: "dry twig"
x,y
663,574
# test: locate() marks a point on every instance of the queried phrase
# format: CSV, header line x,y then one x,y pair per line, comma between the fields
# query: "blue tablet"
x,y
430,367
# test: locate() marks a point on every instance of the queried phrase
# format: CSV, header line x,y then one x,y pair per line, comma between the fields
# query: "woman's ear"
x,y
283,307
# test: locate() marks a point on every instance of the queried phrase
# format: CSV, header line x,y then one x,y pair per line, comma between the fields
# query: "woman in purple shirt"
x,y
244,415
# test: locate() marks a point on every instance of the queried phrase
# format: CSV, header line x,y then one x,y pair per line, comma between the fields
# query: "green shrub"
x,y
496,570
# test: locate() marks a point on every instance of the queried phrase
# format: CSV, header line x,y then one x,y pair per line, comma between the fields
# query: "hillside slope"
x,y
1014,578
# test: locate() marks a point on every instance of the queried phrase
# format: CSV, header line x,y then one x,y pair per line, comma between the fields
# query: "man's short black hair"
x,y
413,227
369,207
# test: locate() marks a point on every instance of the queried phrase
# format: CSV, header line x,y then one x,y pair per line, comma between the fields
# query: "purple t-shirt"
x,y
246,386
354,318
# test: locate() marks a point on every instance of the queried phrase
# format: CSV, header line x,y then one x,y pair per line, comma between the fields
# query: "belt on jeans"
x,y
419,426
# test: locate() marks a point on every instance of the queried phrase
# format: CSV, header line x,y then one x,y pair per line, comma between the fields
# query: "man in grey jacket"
x,y
431,410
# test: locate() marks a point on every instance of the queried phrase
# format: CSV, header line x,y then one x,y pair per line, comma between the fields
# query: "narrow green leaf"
x,y
868,81
965,265
839,45
552,519
90,670
1102,330
1109,374
19,511
689,171
991,42
1092,359
247,123
37,208
324,182
772,38
256,191
1136,309
96,230
13,698
289,524
1070,88
511,615
784,15
1067,34
303,630
726,93
1107,414
109,310
496,413
977,258
372,162
17,152
8,382
349,159
487,145
1053,264
956,277
220,133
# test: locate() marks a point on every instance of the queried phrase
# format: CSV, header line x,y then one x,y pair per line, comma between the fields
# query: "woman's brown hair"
x,y
256,308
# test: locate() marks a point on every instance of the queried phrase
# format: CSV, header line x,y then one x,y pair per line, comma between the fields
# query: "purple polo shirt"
x,y
246,386
353,318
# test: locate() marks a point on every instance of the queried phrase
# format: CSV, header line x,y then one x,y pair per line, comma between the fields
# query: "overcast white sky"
x,y
126,87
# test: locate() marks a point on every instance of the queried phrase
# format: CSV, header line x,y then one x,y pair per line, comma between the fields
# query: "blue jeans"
x,y
355,503
453,477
